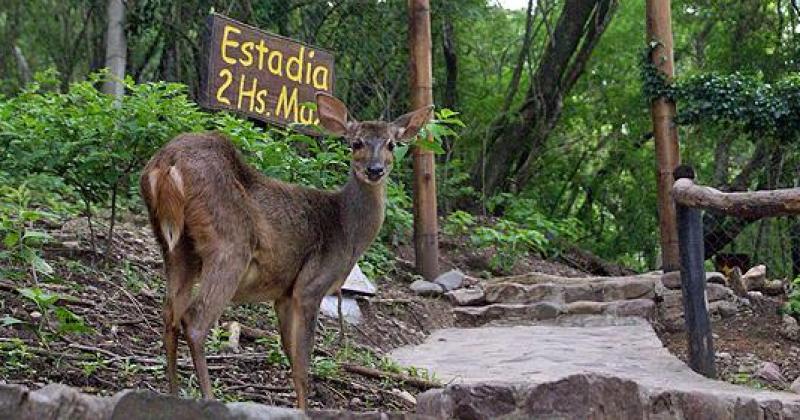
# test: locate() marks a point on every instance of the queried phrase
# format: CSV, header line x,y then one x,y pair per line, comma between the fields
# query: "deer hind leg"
x,y
182,267
219,279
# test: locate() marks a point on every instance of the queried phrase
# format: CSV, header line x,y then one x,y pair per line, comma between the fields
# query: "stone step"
x,y
604,290
542,278
511,313
597,371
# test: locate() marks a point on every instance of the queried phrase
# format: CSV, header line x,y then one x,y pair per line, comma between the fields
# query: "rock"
x,y
405,396
71,244
716,277
737,284
358,283
671,280
450,280
773,288
755,277
351,312
790,329
477,316
770,372
795,387
54,401
426,288
716,292
466,297
723,308
644,308
724,356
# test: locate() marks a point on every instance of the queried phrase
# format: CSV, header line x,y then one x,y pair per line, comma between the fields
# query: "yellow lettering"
x,y
262,50
226,43
228,76
321,78
298,62
308,67
287,105
262,106
275,63
247,50
306,119
247,93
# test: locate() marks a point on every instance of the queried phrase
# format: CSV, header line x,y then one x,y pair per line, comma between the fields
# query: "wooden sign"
x,y
261,75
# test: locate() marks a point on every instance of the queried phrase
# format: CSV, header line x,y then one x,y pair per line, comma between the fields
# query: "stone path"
x,y
574,366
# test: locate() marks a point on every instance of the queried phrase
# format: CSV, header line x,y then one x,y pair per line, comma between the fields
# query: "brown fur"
x,y
248,238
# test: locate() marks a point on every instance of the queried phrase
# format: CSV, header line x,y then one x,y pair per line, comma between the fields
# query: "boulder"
x,y
451,280
672,279
716,292
466,297
755,277
426,288
771,373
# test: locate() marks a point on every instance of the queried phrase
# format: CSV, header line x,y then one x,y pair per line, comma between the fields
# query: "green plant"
x,y
792,305
275,355
324,367
21,240
67,321
458,222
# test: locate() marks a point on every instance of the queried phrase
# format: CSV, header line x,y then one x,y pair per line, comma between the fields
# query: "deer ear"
x,y
332,114
408,125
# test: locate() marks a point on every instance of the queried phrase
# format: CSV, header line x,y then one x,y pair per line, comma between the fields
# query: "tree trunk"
x,y
116,49
513,145
451,66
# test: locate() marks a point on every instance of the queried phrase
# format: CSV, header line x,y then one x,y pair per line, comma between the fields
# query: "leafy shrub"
x,y
792,305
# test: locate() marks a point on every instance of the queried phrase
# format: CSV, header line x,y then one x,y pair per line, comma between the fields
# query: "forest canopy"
x,y
554,98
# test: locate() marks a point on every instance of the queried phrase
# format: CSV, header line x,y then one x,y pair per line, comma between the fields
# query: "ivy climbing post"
x,y
659,36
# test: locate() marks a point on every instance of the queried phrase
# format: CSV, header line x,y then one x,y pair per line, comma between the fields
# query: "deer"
x,y
235,236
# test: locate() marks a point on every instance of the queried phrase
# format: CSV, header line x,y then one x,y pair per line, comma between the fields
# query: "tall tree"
x,y
116,48
517,137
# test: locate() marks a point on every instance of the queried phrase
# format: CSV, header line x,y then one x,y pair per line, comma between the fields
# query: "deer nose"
x,y
375,171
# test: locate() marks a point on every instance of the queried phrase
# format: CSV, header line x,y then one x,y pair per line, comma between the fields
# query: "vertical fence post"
x,y
426,230
693,284
659,29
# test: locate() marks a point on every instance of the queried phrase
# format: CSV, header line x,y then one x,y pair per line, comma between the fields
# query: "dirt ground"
x,y
743,342
119,301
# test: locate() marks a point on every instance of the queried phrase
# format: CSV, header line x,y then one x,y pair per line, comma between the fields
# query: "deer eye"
x,y
358,144
390,145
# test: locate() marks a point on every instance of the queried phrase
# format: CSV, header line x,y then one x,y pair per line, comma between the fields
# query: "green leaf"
x,y
9,320
11,239
400,152
430,145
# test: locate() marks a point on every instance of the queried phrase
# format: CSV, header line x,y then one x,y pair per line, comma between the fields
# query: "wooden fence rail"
x,y
690,200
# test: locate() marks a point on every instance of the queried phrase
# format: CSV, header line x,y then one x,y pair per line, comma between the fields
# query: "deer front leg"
x,y
297,318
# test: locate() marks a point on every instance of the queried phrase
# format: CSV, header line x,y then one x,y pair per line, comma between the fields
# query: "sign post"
x,y
263,76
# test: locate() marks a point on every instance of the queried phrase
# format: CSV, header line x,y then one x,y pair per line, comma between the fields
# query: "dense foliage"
x,y
581,165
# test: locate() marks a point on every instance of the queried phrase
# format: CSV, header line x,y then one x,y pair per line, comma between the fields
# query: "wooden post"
x,y
693,284
426,241
659,29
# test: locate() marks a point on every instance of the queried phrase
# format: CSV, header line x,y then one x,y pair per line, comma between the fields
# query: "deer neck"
x,y
362,209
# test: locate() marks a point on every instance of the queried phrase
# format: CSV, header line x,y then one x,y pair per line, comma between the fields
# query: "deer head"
x,y
371,142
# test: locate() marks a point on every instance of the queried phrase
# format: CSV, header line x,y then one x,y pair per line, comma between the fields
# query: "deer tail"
x,y
169,199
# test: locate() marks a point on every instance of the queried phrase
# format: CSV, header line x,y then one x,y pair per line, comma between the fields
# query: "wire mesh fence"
x,y
773,242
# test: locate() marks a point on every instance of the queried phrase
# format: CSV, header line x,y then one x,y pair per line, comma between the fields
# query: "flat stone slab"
x,y
509,313
542,354
605,290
